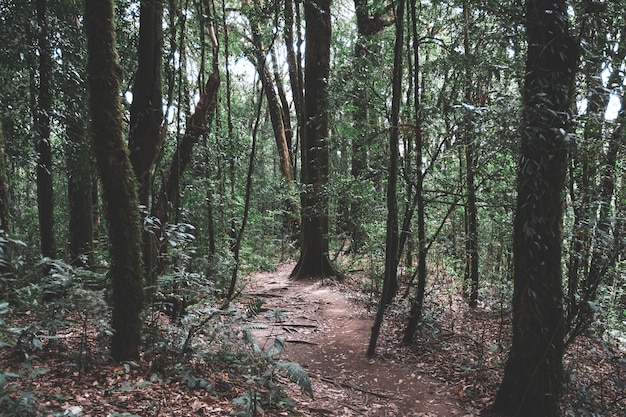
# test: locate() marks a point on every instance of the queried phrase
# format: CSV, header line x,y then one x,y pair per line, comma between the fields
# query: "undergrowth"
x,y
189,333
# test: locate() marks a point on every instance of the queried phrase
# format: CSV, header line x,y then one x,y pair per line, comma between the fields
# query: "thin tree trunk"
x,y
278,115
79,183
118,180
471,213
417,304
196,126
43,147
5,224
390,283
246,208
293,62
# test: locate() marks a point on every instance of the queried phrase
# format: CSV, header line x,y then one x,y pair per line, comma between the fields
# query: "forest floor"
x,y
326,330
452,370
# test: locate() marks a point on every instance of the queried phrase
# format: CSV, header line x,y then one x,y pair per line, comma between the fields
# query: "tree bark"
x,y
79,183
118,180
196,126
43,147
145,139
471,211
417,304
390,283
5,224
314,261
533,379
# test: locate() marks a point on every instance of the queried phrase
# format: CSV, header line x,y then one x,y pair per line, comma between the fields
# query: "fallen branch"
x,y
349,386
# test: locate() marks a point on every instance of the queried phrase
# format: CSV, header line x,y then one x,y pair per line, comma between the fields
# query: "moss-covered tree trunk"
x,y
314,261
118,180
532,384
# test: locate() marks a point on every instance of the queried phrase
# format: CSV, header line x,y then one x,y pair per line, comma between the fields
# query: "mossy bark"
x,y
533,381
118,180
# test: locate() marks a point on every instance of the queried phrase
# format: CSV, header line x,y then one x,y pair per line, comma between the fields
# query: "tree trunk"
x,y
5,224
314,261
146,111
196,126
118,180
390,283
79,183
43,147
471,212
293,62
417,304
146,116
592,253
278,115
533,379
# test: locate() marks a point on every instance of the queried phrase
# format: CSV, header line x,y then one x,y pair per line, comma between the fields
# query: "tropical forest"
x,y
313,208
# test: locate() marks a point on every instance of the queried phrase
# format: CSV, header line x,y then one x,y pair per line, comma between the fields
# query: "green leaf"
x,y
297,374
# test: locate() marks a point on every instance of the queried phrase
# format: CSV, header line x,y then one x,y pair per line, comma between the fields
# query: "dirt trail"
x,y
328,336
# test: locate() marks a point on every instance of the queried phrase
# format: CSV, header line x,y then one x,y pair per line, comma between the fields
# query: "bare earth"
x,y
328,335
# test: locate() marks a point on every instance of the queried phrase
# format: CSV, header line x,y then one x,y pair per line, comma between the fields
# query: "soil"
x,y
453,368
328,334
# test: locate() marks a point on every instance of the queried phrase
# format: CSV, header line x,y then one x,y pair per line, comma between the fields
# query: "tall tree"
x,y
390,282
314,261
417,302
43,146
369,24
532,384
146,114
77,150
469,138
5,225
118,181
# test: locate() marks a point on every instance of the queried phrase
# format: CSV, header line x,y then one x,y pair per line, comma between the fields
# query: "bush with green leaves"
x,y
221,338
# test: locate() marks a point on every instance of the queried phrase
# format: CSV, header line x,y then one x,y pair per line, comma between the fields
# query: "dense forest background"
x,y
413,174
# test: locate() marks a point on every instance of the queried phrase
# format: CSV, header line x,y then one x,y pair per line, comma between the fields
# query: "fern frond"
x,y
297,374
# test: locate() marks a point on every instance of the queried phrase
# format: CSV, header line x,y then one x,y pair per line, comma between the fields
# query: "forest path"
x,y
328,335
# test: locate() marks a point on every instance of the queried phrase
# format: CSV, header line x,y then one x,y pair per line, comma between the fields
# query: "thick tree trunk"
x,y
533,379
314,261
118,180
43,147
